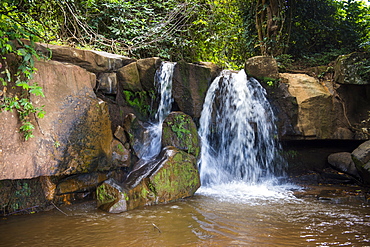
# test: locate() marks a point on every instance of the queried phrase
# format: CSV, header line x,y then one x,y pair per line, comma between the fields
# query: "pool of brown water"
x,y
233,215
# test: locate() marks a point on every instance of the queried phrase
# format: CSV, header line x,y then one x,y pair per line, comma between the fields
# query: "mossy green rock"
x,y
179,130
174,176
177,178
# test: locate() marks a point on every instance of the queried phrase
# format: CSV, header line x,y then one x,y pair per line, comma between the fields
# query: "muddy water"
x,y
239,216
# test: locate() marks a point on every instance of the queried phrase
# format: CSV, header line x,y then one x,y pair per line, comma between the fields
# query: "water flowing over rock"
x,y
237,132
171,176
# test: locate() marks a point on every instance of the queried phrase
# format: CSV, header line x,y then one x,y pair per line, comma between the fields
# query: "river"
x,y
234,215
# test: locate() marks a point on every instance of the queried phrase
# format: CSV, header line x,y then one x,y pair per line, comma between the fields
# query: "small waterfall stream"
x,y
163,82
238,133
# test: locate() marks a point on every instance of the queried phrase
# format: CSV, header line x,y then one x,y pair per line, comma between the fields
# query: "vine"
x,y
17,60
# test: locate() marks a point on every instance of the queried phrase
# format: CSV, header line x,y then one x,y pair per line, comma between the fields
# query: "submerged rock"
x,y
172,176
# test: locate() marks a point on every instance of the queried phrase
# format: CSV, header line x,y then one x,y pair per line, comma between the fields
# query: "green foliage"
x,y
12,46
322,26
179,126
139,101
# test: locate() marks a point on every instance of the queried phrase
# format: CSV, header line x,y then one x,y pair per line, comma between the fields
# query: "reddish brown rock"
x,y
74,136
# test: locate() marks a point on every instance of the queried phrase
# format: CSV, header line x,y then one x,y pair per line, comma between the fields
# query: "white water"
x,y
239,156
163,82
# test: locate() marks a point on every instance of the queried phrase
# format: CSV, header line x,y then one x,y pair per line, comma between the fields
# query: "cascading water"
x,y
163,82
237,132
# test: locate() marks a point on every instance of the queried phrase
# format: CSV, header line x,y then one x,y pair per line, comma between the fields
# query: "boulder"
x,y
121,157
80,183
262,67
147,68
343,162
190,85
316,112
129,78
120,134
361,158
174,175
74,136
351,69
93,61
179,130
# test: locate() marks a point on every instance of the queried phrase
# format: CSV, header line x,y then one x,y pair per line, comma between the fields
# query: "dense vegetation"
x,y
221,31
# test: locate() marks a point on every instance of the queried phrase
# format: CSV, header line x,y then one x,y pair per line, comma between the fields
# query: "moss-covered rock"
x,y
174,175
179,130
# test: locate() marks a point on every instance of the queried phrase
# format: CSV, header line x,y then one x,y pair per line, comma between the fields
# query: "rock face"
x,y
74,148
75,135
190,84
174,175
316,112
93,61
361,158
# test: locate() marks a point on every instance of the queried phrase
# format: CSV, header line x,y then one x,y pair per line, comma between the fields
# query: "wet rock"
x,y
129,77
262,67
80,183
138,133
93,61
361,157
343,162
349,69
285,107
190,84
22,196
120,155
179,130
174,175
147,68
107,83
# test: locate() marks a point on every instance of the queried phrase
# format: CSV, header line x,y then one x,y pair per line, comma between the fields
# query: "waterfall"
x,y
163,83
237,131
